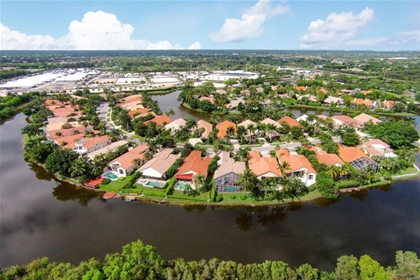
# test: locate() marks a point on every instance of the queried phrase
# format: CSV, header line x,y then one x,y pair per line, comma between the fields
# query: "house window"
x,y
310,177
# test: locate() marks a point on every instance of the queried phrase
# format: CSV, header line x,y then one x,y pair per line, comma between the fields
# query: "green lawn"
x,y
410,170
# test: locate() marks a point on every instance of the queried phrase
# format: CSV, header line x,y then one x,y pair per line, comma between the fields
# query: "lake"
x,y
43,217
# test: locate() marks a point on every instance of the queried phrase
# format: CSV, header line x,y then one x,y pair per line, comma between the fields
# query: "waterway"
x,y
43,217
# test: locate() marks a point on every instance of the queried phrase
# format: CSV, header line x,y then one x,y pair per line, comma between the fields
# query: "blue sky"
x,y
264,24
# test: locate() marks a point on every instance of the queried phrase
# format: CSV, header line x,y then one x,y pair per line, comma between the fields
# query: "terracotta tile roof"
x,y
291,122
262,165
210,99
135,99
208,128
195,164
349,154
54,102
345,120
296,162
222,127
63,112
300,88
126,160
324,157
137,112
66,132
160,120
69,142
388,103
364,118
89,142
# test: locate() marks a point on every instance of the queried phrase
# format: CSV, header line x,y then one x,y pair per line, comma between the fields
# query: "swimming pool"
x,y
181,186
228,189
111,176
154,184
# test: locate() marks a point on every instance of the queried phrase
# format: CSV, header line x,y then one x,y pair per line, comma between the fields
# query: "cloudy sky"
x,y
229,24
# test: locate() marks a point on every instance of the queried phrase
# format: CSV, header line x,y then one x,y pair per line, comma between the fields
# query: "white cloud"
x,y
96,31
250,24
338,31
412,35
20,41
195,46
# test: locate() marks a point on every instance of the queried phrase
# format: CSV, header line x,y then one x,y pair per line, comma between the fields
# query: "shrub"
x,y
213,191
66,126
106,181
121,178
232,196
311,188
170,188
347,184
243,197
219,198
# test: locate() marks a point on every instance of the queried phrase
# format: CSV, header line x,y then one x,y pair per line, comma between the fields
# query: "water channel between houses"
x,y
43,217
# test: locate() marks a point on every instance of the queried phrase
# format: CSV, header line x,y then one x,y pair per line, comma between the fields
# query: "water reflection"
x,y
66,192
40,172
361,194
245,220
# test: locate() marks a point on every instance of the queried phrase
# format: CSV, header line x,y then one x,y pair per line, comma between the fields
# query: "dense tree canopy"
x,y
395,133
140,261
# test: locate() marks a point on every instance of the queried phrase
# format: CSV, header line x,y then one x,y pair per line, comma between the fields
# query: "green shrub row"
x,y
347,184
170,188
213,191
106,181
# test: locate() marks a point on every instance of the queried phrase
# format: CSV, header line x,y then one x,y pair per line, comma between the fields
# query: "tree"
x,y
350,138
346,268
60,161
397,134
248,181
408,264
371,269
80,167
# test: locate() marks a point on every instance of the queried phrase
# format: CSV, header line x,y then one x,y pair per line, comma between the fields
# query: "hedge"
x,y
170,189
106,181
213,191
347,184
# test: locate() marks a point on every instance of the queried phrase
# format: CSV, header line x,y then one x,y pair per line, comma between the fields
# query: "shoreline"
x,y
149,199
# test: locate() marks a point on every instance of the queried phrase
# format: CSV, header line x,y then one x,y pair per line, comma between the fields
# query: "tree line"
x,y
140,261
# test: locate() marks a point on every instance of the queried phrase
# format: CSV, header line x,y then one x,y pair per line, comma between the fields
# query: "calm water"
x,y
42,217
169,101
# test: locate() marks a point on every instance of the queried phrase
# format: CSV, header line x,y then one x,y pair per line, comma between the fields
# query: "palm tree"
x,y
248,181
230,131
332,171
137,161
97,168
79,167
199,181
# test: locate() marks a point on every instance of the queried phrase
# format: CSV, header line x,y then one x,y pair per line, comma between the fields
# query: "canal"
x,y
43,217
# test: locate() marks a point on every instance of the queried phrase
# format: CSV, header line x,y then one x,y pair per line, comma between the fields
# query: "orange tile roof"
x,y
63,112
261,165
54,102
137,112
300,87
345,119
389,103
363,118
194,163
210,99
126,160
289,121
160,120
349,154
65,132
95,140
131,99
222,127
296,162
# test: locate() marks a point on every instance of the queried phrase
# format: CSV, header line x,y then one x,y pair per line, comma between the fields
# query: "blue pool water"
x,y
154,184
111,176
181,186
228,189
